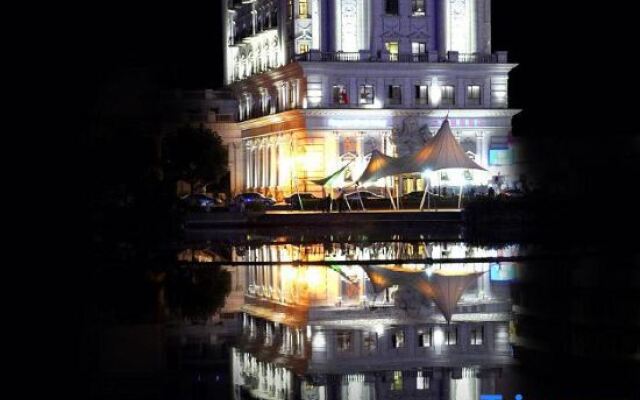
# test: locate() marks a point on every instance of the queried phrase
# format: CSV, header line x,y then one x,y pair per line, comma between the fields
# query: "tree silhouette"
x,y
194,155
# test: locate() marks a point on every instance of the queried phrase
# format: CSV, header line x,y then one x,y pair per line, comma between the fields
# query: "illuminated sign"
x,y
503,272
499,157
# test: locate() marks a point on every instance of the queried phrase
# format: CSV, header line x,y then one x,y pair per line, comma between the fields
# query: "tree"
x,y
195,155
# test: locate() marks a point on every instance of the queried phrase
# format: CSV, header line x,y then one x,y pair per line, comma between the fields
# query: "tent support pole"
x,y
347,201
299,198
361,202
393,203
460,197
424,196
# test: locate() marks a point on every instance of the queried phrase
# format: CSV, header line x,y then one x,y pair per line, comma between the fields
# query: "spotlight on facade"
x,y
438,337
435,92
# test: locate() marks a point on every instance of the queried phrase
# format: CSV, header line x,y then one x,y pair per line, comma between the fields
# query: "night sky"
x,y
576,68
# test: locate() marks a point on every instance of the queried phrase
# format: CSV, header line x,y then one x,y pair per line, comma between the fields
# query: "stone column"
x,y
480,149
247,165
258,166
274,165
265,165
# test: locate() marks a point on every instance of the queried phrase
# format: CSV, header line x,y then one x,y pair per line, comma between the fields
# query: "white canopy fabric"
x,y
379,166
445,290
331,178
441,152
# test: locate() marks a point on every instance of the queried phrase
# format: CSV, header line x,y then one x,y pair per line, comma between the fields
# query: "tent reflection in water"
x,y
444,288
440,153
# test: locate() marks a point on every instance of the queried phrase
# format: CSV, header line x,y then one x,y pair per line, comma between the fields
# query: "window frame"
x,y
472,100
415,12
392,7
419,100
363,95
391,99
305,14
444,89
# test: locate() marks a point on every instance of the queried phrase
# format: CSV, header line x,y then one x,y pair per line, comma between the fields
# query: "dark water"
x,y
347,315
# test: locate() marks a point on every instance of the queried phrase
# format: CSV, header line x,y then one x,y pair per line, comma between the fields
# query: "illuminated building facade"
x,y
320,83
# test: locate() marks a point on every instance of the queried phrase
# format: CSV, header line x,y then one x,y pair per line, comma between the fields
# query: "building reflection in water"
x,y
362,331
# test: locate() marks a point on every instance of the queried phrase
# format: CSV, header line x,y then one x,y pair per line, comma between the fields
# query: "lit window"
x,y
422,381
419,50
340,95
395,94
425,337
417,7
343,341
448,97
290,9
303,47
392,48
422,95
397,340
451,336
366,94
476,336
396,382
391,7
473,95
303,9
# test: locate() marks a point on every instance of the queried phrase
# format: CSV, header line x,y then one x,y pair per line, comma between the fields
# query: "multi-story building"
x,y
320,83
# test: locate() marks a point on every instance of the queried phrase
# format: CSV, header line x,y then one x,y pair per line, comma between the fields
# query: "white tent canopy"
x,y
441,152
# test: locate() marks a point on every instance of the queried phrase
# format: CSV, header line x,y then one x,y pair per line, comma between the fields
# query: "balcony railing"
x,y
430,57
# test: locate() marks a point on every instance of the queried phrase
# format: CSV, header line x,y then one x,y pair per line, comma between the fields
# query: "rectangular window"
x,y
340,95
369,341
473,95
422,381
448,97
397,340
419,51
391,7
344,341
395,94
397,382
476,336
392,48
451,336
366,94
422,95
303,47
303,9
418,7
425,337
